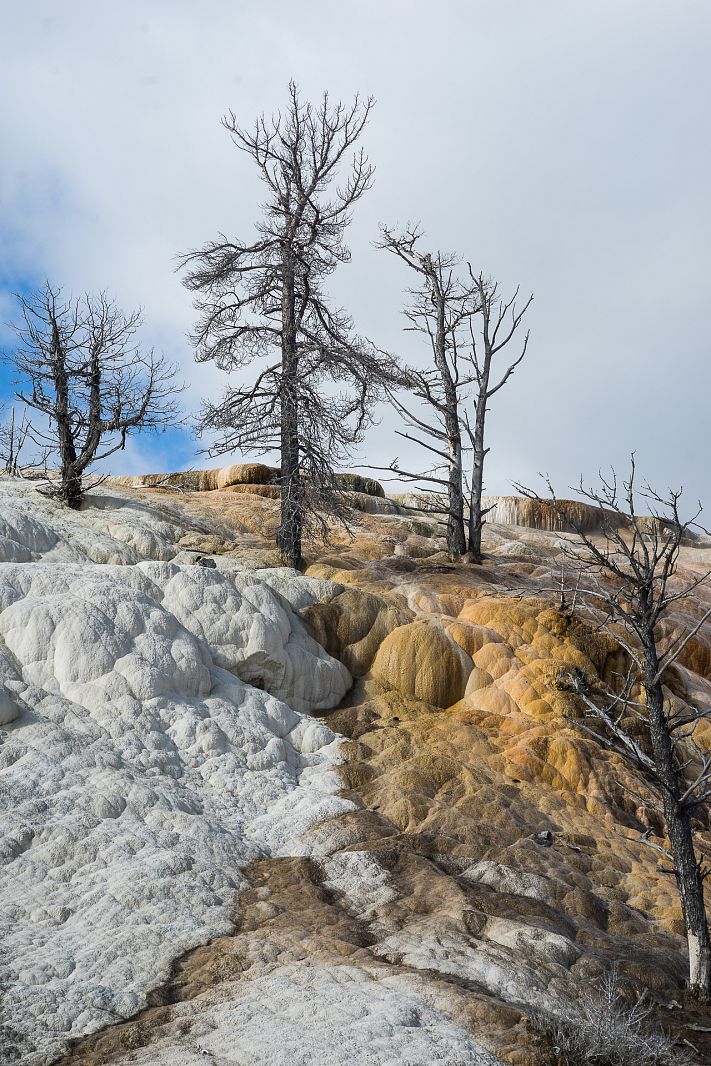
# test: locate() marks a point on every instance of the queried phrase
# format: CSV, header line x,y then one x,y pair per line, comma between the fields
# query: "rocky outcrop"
x,y
353,625
203,480
237,474
421,662
564,516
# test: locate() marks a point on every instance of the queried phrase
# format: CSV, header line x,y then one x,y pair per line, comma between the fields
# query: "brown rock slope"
x,y
493,854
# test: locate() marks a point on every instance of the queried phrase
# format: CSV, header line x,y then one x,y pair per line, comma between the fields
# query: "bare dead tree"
x,y
628,583
500,319
447,309
13,438
441,307
269,295
78,363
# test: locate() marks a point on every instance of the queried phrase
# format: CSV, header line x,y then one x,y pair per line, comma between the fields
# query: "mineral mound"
x,y
345,817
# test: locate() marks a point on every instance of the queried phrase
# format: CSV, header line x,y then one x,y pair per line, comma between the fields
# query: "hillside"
x,y
250,814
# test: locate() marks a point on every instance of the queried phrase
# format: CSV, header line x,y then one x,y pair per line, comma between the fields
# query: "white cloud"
x,y
553,144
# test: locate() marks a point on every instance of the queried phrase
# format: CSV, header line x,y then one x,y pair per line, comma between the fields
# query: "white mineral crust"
x,y
153,743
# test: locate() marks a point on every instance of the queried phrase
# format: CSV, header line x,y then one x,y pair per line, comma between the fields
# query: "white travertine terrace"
x,y
154,743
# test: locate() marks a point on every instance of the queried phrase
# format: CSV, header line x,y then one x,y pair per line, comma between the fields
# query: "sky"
x,y
559,145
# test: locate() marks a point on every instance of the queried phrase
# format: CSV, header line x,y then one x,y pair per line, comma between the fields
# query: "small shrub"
x,y
614,1027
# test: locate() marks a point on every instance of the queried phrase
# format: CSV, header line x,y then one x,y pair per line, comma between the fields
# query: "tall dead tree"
x,y
628,578
452,312
499,321
269,296
441,306
78,364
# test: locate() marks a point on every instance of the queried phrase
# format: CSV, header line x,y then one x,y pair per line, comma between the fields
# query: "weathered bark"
x,y
677,817
10,466
476,515
291,514
289,533
456,542
500,321
70,488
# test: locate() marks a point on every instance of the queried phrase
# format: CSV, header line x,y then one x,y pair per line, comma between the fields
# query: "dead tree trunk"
x,y
10,463
440,308
476,487
456,541
499,322
677,816
70,486
291,508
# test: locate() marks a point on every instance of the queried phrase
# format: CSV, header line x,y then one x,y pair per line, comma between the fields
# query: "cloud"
x,y
554,145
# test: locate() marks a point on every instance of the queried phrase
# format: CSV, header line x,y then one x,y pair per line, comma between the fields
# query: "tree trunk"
x,y
71,486
477,484
681,838
72,490
456,542
292,491
691,893
10,465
